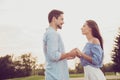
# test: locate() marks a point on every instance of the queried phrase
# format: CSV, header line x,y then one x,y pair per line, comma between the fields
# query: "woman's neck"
x,y
89,38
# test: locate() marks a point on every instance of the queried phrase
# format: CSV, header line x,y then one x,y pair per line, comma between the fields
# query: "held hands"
x,y
74,52
79,53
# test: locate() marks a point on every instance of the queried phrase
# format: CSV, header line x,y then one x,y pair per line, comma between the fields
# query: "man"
x,y
55,56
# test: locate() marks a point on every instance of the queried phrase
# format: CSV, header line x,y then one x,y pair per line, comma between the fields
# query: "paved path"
x,y
107,77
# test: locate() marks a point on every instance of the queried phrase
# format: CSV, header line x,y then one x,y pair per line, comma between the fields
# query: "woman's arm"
x,y
85,56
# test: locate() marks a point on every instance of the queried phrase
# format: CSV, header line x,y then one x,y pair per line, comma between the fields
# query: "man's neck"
x,y
53,26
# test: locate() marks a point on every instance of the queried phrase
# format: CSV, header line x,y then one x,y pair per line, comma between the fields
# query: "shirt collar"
x,y
51,28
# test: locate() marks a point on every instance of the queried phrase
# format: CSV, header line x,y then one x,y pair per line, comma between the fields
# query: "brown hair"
x,y
54,13
95,31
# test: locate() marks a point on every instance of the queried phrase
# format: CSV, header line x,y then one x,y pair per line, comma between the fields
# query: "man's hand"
x,y
72,54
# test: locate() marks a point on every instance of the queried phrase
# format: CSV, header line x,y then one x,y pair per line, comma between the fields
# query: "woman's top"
x,y
95,51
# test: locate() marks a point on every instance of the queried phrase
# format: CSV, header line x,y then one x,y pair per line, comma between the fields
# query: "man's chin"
x,y
59,27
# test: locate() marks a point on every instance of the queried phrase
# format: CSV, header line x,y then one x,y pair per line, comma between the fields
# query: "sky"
x,y
23,23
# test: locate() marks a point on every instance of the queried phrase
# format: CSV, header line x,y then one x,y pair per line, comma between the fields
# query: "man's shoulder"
x,y
50,31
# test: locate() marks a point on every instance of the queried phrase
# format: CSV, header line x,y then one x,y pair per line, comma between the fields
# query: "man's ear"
x,y
54,18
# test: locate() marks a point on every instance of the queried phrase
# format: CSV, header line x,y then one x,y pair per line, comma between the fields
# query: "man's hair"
x,y
54,13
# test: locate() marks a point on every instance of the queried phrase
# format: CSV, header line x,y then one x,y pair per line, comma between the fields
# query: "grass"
x,y
113,79
30,78
71,76
76,75
43,77
109,73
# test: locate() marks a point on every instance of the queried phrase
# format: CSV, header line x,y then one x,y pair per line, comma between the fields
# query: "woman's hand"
x,y
79,53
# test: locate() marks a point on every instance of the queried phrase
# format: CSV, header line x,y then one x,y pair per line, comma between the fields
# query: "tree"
x,y
116,53
6,67
24,65
41,69
79,68
20,67
107,67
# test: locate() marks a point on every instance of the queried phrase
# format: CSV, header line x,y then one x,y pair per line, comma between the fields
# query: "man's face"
x,y
59,21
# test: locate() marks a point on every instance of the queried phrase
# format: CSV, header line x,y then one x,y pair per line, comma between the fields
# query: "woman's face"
x,y
86,29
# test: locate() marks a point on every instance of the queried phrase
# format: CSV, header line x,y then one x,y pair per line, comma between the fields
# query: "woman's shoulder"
x,y
95,41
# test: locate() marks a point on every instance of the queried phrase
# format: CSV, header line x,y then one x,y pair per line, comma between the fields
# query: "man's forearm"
x,y
67,55
64,56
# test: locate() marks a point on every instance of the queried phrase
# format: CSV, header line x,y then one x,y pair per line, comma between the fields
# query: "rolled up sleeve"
x,y
52,47
97,54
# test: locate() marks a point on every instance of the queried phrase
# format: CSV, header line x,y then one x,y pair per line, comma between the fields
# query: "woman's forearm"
x,y
88,58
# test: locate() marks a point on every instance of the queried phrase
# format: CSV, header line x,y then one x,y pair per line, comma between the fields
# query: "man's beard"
x,y
59,27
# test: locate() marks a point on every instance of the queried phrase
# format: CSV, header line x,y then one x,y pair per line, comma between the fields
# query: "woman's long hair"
x,y
95,31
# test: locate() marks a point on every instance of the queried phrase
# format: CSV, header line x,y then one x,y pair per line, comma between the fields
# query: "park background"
x,y
23,23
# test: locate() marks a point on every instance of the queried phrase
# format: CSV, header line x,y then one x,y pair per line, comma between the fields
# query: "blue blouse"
x,y
96,52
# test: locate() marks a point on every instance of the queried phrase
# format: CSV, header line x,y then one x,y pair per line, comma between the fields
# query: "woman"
x,y
92,55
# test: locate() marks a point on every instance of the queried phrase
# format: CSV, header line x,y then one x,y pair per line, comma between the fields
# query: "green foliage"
x,y
116,53
20,67
41,72
72,71
107,67
79,68
6,67
25,64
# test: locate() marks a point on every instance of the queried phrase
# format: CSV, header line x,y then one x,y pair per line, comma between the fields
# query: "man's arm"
x,y
68,55
52,49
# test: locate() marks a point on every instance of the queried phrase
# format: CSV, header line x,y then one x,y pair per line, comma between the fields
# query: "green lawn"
x,y
42,77
113,79
30,78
